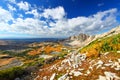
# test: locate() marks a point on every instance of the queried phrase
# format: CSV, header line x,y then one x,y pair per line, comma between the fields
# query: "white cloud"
x,y
28,25
55,13
34,12
56,24
20,15
94,23
5,15
24,5
11,8
91,25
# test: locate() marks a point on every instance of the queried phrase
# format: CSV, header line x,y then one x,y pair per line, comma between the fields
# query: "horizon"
x,y
57,18
27,38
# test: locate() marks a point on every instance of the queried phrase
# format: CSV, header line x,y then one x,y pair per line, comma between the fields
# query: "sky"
x,y
57,18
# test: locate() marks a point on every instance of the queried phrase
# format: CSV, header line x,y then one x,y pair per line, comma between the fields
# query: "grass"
x,y
102,45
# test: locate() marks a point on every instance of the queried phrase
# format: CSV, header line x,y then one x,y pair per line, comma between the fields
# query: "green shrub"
x,y
106,47
11,73
115,40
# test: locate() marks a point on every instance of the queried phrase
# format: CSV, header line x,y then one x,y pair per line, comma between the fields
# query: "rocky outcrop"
x,y
79,40
109,76
76,66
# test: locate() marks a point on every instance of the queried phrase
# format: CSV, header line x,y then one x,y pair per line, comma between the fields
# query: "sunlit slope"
x,y
102,45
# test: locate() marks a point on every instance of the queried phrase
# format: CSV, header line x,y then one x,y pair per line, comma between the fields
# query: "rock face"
x,y
80,37
79,40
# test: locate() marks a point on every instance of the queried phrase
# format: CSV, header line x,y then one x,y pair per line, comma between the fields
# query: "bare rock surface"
x,y
77,66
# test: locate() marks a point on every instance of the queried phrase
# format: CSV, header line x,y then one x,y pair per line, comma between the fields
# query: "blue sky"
x,y
57,18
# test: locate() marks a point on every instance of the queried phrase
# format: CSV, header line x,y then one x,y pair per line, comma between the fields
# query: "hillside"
x,y
101,45
99,60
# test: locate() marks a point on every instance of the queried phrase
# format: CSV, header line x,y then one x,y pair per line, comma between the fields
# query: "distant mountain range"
x,y
19,44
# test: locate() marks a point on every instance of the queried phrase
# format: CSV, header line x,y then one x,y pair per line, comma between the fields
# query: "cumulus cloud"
x,y
53,22
91,25
24,5
11,8
55,13
34,12
5,15
28,25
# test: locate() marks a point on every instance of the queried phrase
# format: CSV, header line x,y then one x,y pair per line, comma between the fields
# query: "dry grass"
x,y
46,49
105,44
6,61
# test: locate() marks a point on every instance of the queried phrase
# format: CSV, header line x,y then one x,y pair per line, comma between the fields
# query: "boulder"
x,y
111,76
52,77
77,73
102,78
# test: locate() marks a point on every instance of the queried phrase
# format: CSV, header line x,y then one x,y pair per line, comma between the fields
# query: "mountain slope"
x,y
99,60
105,44
84,39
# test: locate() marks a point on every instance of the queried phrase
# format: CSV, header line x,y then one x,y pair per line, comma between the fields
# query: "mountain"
x,y
84,39
99,60
2,42
79,40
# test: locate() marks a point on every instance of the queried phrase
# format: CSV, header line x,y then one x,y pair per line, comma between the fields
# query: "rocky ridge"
x,y
84,39
79,40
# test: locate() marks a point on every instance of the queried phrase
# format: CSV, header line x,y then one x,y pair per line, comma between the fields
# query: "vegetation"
x,y
31,60
36,61
102,45
11,73
46,49
58,76
25,69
